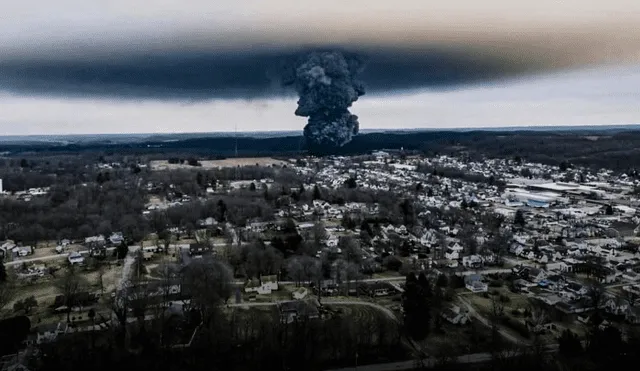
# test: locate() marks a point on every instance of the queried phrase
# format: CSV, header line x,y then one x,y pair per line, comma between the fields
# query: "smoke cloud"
x,y
327,84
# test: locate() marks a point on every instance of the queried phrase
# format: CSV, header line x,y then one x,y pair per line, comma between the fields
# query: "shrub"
x,y
496,283
516,326
505,299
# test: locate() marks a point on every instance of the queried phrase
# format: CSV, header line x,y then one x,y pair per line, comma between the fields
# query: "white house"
x,y
269,284
455,315
454,250
75,258
474,283
300,293
49,333
472,261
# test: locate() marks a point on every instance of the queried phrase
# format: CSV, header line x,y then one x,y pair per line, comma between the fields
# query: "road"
x,y
64,255
126,267
432,362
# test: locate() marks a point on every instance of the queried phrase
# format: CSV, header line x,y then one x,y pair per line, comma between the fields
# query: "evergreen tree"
x,y
569,344
122,250
316,193
417,306
519,218
609,210
3,272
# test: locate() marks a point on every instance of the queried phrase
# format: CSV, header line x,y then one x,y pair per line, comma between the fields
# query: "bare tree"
x,y
7,294
70,284
120,308
296,270
210,283
630,297
596,295
100,278
497,313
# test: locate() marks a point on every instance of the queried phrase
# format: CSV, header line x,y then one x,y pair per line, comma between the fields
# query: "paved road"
x,y
48,257
126,267
431,362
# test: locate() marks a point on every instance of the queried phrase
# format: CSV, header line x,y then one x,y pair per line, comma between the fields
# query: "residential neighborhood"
x,y
497,242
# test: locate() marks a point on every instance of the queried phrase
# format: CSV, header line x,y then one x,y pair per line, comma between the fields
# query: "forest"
x,y
596,148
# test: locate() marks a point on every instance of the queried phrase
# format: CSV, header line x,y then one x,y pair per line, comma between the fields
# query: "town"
x,y
394,256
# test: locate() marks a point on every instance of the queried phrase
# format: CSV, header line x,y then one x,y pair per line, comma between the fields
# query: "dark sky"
x,y
202,65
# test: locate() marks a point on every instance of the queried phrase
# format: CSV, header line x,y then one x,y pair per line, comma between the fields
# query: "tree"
x,y
408,212
519,218
630,297
417,306
350,249
609,210
3,272
351,183
464,205
564,166
517,160
122,250
210,283
496,314
442,281
222,211
569,344
317,195
295,270
70,284
100,278
26,305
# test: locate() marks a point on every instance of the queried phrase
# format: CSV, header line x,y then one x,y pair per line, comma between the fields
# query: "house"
x,y
556,282
197,249
455,315
615,306
604,275
577,288
116,238
474,283
532,274
376,289
75,258
472,261
264,286
291,311
300,293
6,248
633,315
517,249
50,332
95,240
630,276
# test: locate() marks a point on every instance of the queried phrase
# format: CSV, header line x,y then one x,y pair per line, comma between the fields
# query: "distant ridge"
x,y
62,139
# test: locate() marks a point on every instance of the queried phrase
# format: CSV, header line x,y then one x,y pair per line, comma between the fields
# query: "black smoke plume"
x,y
327,85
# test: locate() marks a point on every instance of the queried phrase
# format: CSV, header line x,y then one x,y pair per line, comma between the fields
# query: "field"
x,y
216,164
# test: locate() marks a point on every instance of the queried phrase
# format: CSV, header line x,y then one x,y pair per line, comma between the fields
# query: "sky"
x,y
119,66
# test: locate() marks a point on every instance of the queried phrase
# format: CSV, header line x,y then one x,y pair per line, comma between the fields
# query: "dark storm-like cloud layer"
x,y
245,74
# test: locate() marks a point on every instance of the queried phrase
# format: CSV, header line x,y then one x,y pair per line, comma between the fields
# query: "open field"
x,y
45,289
216,164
